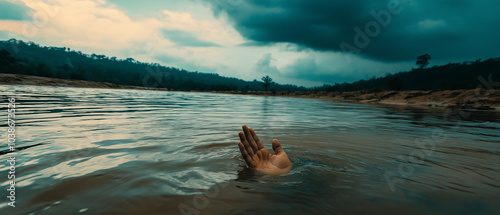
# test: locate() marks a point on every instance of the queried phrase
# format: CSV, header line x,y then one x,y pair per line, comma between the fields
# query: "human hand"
x,y
258,157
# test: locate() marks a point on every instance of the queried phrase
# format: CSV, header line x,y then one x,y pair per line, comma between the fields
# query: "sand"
x,y
473,99
480,99
16,79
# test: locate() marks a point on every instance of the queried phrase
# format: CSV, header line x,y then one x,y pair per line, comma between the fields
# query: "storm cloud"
x,y
389,31
14,10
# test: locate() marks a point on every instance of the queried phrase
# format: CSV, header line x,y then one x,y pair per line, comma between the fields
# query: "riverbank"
x,y
466,99
473,99
16,79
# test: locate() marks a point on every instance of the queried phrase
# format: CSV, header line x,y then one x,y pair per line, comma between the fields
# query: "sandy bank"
x,y
467,99
15,79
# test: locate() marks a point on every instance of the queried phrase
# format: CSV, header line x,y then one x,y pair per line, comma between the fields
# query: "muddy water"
x,y
98,151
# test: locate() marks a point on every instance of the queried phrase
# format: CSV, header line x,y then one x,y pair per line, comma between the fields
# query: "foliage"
x,y
19,57
451,76
266,82
423,60
28,58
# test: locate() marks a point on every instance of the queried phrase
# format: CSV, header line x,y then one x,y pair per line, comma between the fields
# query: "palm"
x,y
258,157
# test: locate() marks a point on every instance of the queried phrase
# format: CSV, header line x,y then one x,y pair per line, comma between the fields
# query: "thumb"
x,y
277,147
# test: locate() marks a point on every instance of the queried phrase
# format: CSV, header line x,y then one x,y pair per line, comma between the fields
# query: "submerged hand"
x,y
257,157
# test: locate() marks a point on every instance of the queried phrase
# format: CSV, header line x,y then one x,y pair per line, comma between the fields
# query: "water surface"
x,y
100,151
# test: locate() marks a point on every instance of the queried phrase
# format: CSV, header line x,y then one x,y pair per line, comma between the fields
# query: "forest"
x,y
29,58
452,76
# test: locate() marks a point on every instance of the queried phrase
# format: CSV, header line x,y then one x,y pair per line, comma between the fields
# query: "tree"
x,y
395,84
78,75
63,62
7,62
43,69
6,57
423,60
267,81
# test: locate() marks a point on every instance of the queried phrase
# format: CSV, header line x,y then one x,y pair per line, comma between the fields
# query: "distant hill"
x,y
19,57
453,76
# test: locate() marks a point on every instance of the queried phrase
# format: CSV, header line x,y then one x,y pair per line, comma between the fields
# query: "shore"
x,y
466,99
16,79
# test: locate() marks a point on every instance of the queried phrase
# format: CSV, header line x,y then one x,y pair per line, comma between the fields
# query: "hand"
x,y
257,157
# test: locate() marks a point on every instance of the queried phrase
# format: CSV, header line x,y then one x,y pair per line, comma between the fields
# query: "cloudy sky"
x,y
303,42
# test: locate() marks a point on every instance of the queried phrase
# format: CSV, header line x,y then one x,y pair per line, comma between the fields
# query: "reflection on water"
x,y
97,151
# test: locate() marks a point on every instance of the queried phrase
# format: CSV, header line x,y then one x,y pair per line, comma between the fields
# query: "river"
x,y
102,151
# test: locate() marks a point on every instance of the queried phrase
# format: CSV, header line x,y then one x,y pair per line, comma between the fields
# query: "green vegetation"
x,y
28,58
423,61
266,82
452,76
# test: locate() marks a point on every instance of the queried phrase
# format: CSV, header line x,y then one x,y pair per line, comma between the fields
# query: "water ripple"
x,y
98,151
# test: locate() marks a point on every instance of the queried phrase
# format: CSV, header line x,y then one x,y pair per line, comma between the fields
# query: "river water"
x,y
101,151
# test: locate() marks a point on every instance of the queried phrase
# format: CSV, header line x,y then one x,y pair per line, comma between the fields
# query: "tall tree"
x,y
423,61
266,82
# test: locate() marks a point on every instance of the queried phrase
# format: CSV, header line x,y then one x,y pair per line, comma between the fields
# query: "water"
x,y
98,151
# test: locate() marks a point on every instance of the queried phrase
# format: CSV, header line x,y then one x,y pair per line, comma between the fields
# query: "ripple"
x,y
99,151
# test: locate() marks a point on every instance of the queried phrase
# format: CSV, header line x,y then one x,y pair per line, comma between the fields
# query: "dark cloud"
x,y
184,38
321,70
14,10
308,69
446,29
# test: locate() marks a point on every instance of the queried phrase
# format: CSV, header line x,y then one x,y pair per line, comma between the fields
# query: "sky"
x,y
301,42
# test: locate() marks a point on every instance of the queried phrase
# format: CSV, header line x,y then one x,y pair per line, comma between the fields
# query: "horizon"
x,y
250,106
300,43
167,66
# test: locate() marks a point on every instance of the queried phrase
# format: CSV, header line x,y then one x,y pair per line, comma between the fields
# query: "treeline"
x,y
452,76
29,58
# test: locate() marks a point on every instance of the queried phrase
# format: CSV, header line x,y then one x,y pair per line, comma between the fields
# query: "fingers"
x,y
250,139
277,147
245,143
263,155
244,153
259,143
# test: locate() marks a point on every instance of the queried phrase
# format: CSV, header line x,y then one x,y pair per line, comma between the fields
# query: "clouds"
x,y
102,27
327,67
266,66
446,29
294,41
430,24
184,38
14,10
101,24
